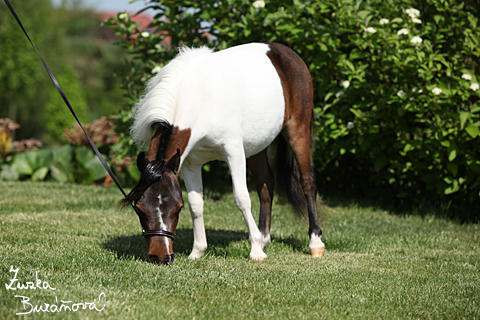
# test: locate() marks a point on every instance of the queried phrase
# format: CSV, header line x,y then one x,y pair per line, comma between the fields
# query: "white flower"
x,y
414,89
402,31
156,69
345,84
259,4
123,15
350,125
437,91
384,21
401,94
145,34
416,20
339,94
420,91
474,86
370,30
416,40
413,13
466,76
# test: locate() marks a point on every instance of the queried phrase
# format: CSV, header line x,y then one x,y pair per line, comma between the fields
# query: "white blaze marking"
x,y
160,199
162,225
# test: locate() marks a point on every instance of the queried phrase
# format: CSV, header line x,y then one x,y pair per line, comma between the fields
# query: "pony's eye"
x,y
178,211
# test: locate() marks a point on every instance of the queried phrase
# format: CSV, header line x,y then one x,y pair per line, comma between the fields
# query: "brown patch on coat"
x,y
178,140
296,83
298,94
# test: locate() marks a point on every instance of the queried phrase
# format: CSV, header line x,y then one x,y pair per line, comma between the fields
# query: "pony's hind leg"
x,y
235,156
192,175
265,184
297,135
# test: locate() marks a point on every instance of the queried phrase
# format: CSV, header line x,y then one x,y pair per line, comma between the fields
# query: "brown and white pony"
x,y
230,105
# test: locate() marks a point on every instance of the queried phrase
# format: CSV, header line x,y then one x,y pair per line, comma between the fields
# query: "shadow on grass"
x,y
221,243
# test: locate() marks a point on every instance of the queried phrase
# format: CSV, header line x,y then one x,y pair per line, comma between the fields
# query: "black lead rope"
x,y
164,233
64,97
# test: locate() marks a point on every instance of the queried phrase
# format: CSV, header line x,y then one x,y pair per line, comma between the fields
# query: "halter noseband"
x,y
164,233
146,233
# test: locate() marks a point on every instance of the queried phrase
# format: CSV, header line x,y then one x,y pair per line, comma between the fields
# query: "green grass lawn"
x,y
376,265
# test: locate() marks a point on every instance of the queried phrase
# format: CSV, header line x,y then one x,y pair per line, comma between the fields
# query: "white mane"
x,y
159,102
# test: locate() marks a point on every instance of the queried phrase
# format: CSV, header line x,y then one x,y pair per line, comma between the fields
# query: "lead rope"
x,y
64,97
164,233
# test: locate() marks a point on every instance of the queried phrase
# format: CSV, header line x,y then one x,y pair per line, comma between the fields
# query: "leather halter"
x,y
145,233
164,233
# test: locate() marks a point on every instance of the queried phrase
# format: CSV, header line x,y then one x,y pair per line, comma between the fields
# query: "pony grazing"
x,y
231,105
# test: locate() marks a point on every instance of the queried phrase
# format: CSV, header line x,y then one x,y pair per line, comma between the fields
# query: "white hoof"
x,y
257,254
317,247
195,254
317,252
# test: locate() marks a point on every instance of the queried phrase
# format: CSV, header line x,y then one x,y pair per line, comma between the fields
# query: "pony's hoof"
x,y
317,252
257,254
258,258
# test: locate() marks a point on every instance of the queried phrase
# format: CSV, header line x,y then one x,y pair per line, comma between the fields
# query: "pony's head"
x,y
157,200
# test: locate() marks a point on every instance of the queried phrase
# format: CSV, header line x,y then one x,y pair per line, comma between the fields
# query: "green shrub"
x,y
57,115
397,98
65,164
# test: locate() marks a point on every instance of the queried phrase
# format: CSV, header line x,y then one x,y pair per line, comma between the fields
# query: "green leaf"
x,y
61,171
453,168
357,113
328,95
350,65
472,130
9,173
44,158
64,153
25,163
83,155
463,118
452,189
363,14
408,147
380,162
134,173
452,152
40,174
95,169
271,18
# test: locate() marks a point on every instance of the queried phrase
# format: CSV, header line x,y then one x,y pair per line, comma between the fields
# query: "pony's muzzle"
x,y
153,258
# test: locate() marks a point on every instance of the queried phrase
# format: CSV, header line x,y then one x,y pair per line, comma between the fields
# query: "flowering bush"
x,y
101,131
397,97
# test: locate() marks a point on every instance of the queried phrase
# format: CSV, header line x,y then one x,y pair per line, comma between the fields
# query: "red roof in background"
x,y
145,19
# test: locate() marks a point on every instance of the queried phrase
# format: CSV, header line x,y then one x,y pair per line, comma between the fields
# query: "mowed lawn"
x,y
376,265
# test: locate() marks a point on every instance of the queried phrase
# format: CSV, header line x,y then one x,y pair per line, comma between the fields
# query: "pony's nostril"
x,y
153,258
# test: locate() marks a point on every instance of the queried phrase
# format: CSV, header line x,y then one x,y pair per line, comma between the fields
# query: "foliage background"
x,y
66,38
397,99
383,129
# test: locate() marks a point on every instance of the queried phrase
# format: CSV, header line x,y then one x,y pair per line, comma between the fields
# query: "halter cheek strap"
x,y
146,233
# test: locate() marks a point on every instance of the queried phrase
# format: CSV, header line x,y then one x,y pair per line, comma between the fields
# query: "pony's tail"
x,y
287,175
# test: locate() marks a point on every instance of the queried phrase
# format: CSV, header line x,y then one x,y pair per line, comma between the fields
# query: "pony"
x,y
234,105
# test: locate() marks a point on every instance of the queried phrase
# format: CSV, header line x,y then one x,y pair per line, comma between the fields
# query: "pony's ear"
x,y
141,161
174,162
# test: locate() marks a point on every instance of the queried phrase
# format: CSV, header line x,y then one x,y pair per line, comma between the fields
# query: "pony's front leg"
x,y
192,175
235,156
